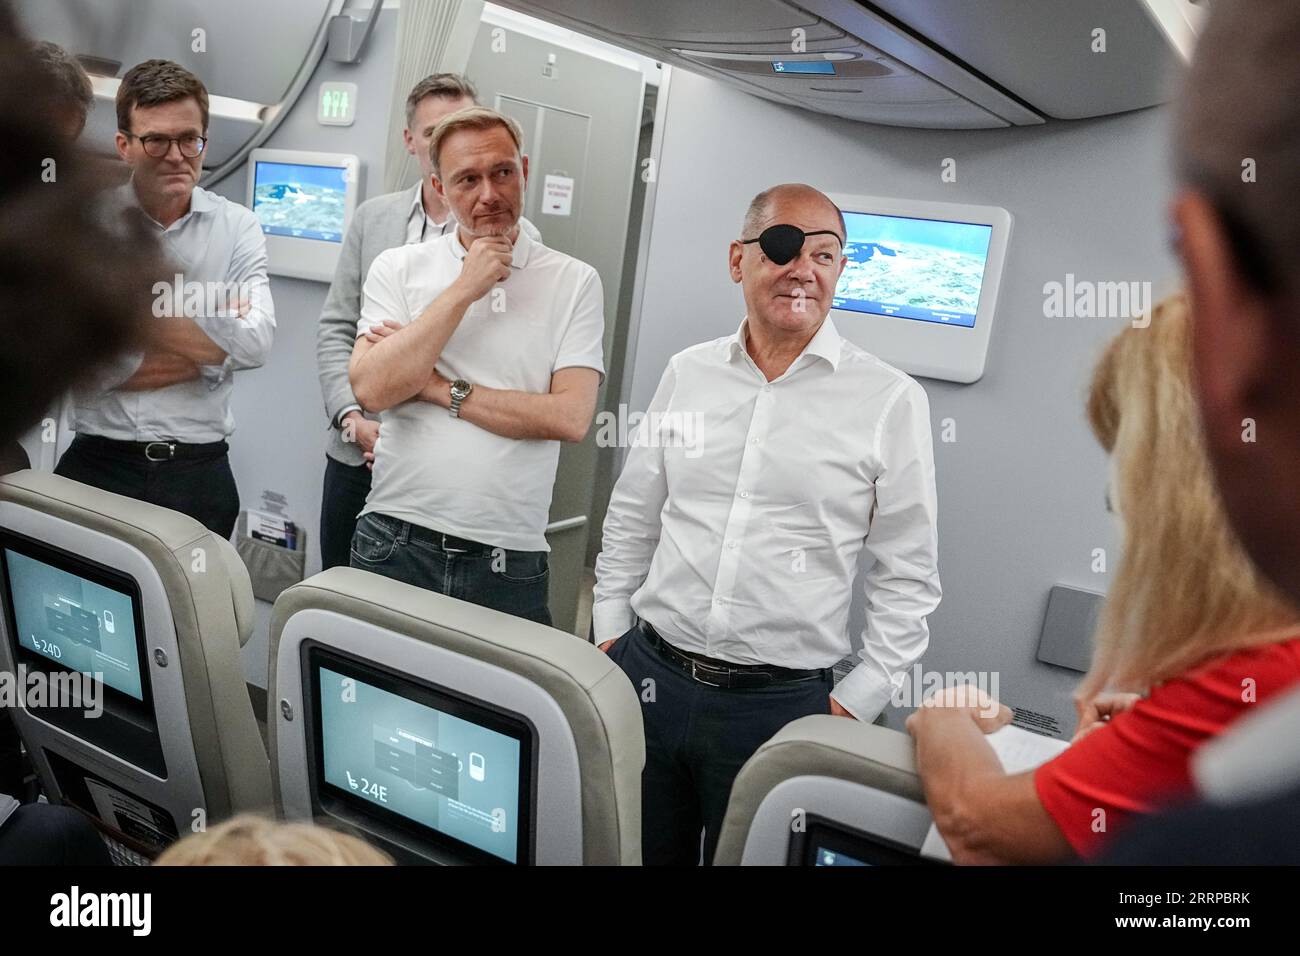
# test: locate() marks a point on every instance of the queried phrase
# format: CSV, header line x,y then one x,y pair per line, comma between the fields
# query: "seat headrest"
x,y
595,697
818,745
1258,757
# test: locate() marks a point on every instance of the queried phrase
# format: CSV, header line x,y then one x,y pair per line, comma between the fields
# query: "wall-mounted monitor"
x,y
304,201
391,752
921,285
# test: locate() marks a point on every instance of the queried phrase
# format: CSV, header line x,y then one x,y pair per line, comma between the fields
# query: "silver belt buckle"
x,y
170,446
696,677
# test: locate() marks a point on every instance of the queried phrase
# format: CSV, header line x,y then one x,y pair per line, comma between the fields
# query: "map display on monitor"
x,y
923,269
301,201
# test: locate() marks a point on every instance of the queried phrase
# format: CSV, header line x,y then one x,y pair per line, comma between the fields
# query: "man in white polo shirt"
x,y
483,350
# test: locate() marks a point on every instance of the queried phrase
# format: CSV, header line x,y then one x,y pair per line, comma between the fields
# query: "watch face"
x,y
459,388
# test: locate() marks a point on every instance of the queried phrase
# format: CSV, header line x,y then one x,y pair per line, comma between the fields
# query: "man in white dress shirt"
x,y
156,429
724,583
483,350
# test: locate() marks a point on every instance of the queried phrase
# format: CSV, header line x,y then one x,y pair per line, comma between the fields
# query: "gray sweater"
x,y
377,224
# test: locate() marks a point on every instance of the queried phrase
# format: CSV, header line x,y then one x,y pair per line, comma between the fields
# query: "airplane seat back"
x,y
159,606
382,693
826,790
1256,758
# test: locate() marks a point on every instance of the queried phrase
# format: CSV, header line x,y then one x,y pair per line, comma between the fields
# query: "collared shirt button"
x,y
754,441
744,494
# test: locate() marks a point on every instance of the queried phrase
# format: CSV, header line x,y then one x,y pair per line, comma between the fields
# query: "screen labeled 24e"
x,y
442,772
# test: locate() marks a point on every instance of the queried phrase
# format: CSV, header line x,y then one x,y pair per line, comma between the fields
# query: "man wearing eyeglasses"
x,y
724,584
155,427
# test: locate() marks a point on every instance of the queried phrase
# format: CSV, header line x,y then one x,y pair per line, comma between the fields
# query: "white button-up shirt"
x,y
736,526
218,251
448,474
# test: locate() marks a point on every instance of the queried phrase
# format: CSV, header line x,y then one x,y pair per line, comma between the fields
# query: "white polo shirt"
x,y
448,474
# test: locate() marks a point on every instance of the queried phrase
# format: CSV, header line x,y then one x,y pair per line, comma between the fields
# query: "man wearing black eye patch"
x,y
728,565
782,242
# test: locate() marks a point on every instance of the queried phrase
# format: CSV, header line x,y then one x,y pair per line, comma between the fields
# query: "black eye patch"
x,y
782,242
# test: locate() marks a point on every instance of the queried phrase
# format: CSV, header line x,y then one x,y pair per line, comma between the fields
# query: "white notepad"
x,y
1018,750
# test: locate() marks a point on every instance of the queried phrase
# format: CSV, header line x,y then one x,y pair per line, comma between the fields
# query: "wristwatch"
x,y
460,390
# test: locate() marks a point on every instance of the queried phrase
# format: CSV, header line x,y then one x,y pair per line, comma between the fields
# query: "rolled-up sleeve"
x,y
245,338
633,523
902,585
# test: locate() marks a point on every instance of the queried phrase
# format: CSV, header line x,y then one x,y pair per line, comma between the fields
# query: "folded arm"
x,y
397,367
160,369
562,414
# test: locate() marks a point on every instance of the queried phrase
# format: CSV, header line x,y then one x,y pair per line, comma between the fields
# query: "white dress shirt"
x,y
736,526
448,474
217,246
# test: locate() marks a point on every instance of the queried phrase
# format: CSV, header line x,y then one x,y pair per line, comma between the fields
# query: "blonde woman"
x,y
250,840
1191,638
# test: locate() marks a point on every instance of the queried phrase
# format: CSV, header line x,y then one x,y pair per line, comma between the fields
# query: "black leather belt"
x,y
716,673
166,450
446,542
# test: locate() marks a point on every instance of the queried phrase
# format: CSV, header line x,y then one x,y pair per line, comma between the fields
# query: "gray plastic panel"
x,y
1068,626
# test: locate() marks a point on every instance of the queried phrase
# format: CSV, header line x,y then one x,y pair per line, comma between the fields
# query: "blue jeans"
x,y
515,582
697,737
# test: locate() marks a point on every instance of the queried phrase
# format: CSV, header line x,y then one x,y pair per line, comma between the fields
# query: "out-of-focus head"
x,y
162,121
75,286
796,295
250,840
69,84
431,101
1183,590
1238,224
479,169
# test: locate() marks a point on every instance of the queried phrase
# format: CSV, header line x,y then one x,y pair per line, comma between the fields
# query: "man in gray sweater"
x,y
385,222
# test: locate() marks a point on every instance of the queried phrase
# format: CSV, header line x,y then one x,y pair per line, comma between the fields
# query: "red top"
x,y
1141,759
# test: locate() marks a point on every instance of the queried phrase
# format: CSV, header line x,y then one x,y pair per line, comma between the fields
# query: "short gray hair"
x,y
761,205
450,86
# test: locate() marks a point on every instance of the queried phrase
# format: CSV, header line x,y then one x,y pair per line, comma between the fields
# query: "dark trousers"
x,y
697,737
203,488
516,582
38,834
342,498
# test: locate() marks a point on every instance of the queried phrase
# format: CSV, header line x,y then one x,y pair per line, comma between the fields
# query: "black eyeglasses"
x,y
157,146
782,242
